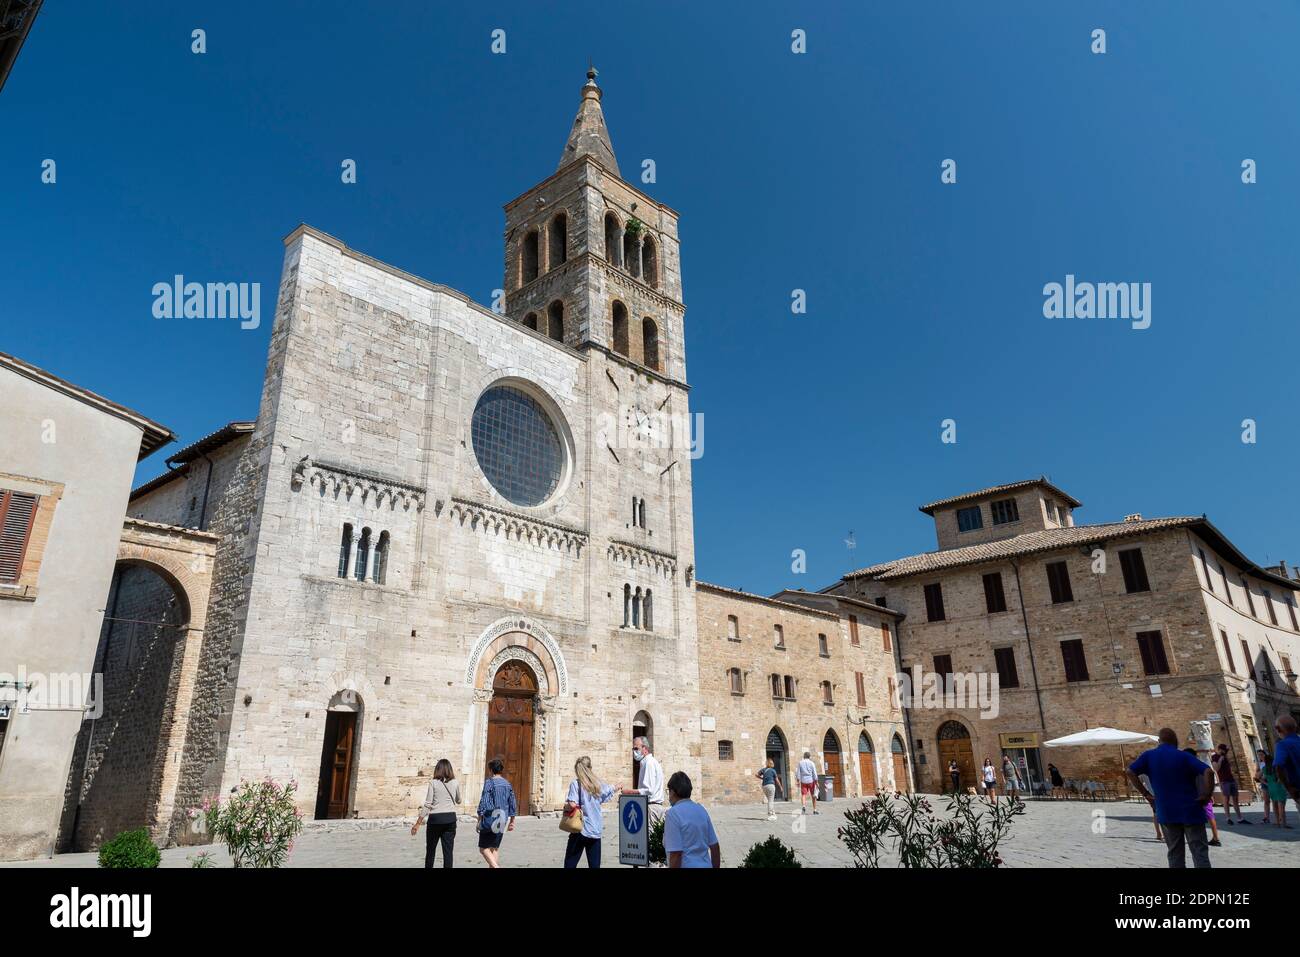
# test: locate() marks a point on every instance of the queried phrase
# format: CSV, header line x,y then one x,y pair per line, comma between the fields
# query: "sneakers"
x,y
816,812
771,817
1216,843
1228,822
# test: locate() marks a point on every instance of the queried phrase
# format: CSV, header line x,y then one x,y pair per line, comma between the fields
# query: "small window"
x,y
1290,607
789,688
17,515
778,637
995,599
884,634
853,629
778,690
1250,598
1076,666
1008,677
969,519
345,550
733,628
1286,669
1058,581
1227,651
861,682
1152,648
725,752
1205,570
381,559
943,666
1268,603
1051,513
934,602
1004,511
737,680
1250,660
1227,586
880,601
823,647
1134,569
827,694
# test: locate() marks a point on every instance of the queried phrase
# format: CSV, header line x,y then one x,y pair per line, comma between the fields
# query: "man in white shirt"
x,y
651,782
807,774
689,837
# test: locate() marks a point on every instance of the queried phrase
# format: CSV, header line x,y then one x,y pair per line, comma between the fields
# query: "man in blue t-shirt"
x,y
1183,784
1286,756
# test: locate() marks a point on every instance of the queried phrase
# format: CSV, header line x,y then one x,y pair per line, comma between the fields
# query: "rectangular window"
x,y
1250,598
1076,666
995,599
778,637
827,696
1152,648
733,628
777,690
1250,661
969,519
934,602
853,629
17,512
1058,580
1008,677
1227,651
1227,586
943,666
1205,570
862,689
1286,670
789,688
724,751
881,602
1268,603
1004,511
1134,569
823,648
1290,606
737,681
884,632
909,685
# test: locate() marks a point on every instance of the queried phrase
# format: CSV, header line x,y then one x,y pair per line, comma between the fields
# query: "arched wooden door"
x,y
902,780
776,750
834,763
510,727
866,764
954,745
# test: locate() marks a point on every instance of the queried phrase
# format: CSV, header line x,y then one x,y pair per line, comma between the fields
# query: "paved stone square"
x,y
1049,834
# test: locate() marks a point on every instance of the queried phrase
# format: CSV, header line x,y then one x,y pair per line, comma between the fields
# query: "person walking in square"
x,y
771,784
1180,785
954,775
496,813
1261,784
689,837
586,793
441,800
1010,779
1276,792
1222,765
807,773
1286,757
990,780
650,779
1209,809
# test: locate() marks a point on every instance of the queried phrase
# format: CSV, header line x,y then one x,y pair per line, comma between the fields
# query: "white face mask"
x,y
636,755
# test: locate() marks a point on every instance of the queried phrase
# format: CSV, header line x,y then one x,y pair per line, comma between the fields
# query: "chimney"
x,y
1135,517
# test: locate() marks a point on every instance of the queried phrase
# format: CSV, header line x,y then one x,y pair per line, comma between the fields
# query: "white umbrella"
x,y
1103,736
1098,736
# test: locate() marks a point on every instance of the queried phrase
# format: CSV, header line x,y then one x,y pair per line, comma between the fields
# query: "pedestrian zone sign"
x,y
633,830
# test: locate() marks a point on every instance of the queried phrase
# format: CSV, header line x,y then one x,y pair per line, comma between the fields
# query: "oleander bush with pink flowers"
x,y
257,823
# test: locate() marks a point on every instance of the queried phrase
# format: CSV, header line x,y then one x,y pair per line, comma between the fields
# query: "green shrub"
x,y
130,849
907,824
770,853
655,852
257,823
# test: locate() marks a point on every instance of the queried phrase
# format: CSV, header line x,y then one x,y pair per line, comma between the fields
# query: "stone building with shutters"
x,y
797,672
66,462
1137,624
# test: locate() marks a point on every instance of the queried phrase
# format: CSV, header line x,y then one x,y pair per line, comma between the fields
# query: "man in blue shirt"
x,y
1182,784
1286,757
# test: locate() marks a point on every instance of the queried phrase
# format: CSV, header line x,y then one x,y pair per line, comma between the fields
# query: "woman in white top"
x,y
990,780
440,803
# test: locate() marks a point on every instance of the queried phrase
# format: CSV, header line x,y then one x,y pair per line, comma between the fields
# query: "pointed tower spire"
x,y
589,136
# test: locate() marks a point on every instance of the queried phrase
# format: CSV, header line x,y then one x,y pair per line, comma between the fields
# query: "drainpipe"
x,y
1033,667
207,486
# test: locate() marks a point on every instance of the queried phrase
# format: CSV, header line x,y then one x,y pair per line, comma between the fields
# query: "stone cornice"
x,y
373,488
662,562
535,531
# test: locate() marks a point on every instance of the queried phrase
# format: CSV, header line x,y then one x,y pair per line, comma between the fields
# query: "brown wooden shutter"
x,y
17,512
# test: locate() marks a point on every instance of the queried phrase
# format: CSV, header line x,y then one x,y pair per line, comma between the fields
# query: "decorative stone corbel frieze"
x,y
491,520
378,491
639,556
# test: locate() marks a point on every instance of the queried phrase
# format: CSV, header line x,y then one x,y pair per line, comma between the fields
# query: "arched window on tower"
x,y
620,328
345,550
611,240
649,611
636,608
631,255
528,271
640,513
381,559
363,554
559,241
555,321
627,605
650,344
530,321
649,262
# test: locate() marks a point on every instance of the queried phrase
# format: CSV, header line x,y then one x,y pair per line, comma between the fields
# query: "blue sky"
x,y
818,171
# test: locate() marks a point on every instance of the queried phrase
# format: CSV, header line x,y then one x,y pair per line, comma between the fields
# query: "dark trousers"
x,y
442,828
1178,836
956,782
577,844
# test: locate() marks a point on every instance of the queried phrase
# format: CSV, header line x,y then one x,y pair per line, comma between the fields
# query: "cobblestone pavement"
x,y
1049,834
